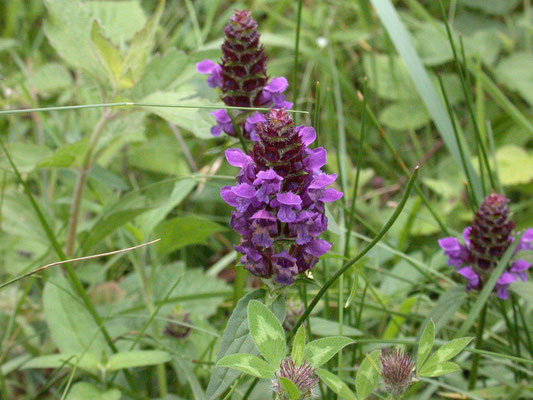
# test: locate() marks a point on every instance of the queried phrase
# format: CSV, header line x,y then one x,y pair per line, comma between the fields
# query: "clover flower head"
x,y
397,371
302,375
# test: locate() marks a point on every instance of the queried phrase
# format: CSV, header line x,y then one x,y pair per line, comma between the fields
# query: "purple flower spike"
x,y
485,242
214,71
279,201
242,77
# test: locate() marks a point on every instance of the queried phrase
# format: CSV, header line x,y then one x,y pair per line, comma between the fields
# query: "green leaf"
x,y
161,72
324,327
107,225
405,116
396,322
267,332
298,345
183,231
87,391
72,328
515,165
148,221
336,384
195,120
446,307
109,57
516,73
169,160
290,388
426,344
367,376
65,156
494,7
523,289
136,358
120,20
236,339
439,369
68,28
88,362
320,351
142,44
249,364
25,156
50,79
448,351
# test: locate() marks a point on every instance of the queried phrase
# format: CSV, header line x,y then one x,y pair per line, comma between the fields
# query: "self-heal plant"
x,y
279,199
294,376
398,370
485,242
241,75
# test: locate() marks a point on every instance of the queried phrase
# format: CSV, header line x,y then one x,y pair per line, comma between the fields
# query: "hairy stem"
x,y
479,343
80,183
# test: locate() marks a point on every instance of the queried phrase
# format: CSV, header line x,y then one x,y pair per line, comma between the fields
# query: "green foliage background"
x,y
98,330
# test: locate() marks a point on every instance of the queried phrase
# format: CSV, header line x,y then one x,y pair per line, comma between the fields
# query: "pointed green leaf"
x,y
367,376
426,344
448,351
248,364
336,384
320,351
267,332
298,345
290,388
141,45
439,369
396,322
109,56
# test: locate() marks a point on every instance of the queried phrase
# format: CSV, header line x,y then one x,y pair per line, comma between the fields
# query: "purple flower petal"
x,y
503,293
228,196
329,195
466,236
289,199
450,244
306,133
520,265
506,278
215,71
237,158
526,241
318,247
205,67
322,180
470,275
316,158
221,116
244,190
263,214
277,85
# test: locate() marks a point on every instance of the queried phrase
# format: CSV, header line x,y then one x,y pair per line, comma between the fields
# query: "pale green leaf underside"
x,y
248,364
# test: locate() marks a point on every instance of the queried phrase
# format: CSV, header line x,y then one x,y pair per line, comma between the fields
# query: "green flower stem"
x,y
80,183
478,344
345,267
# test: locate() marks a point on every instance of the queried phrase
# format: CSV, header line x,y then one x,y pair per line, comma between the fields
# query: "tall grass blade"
x,y
401,39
